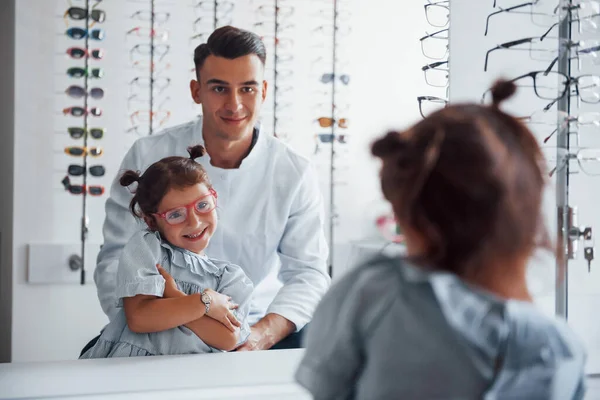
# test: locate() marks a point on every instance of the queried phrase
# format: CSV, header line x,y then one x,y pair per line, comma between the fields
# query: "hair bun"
x,y
502,90
196,151
388,145
129,177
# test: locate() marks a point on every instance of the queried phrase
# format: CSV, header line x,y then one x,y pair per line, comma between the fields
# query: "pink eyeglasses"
x,y
203,205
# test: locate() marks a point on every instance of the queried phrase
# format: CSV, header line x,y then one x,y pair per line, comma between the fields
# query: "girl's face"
x,y
187,217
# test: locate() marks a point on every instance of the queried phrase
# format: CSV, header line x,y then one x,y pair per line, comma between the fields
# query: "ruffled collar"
x,y
186,259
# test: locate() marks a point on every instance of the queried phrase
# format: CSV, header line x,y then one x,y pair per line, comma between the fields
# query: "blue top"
x,y
390,330
137,274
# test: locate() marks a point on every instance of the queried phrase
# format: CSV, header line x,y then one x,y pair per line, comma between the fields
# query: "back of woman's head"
x,y
162,176
468,180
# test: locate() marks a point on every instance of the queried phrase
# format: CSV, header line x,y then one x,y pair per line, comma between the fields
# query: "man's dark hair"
x,y
229,42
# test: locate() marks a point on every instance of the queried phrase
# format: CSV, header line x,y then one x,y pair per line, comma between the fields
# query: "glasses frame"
x,y
163,215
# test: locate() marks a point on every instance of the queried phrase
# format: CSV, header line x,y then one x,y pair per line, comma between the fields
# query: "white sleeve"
x,y
303,252
119,226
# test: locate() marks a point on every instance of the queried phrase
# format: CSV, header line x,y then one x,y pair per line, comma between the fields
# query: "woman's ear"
x,y
151,222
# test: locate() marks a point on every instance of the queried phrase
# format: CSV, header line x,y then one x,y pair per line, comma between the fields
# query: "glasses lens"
x,y
345,79
97,93
76,132
96,190
326,137
176,216
76,52
97,133
98,15
436,77
428,105
96,111
76,33
97,73
97,54
550,85
589,88
97,170
74,151
96,151
75,91
76,72
76,13
326,78
437,15
75,170
436,46
325,122
205,205
77,111
343,123
97,34
76,189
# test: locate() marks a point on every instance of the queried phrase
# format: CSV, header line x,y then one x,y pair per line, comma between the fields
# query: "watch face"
x,y
206,298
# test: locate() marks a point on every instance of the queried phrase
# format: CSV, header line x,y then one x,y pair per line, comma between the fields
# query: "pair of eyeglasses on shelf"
x,y
93,190
329,77
78,92
146,65
430,104
557,159
586,119
435,45
284,43
584,50
541,13
79,53
211,5
79,13
281,11
272,26
438,14
326,122
77,111
159,84
146,15
329,28
78,72
80,33
436,74
79,151
79,170
144,49
145,116
341,14
552,85
145,32
140,99
77,132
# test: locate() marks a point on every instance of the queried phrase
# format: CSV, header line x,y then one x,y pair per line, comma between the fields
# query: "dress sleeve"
x,y
137,273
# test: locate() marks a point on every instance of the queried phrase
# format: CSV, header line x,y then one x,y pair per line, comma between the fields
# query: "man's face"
x,y
231,93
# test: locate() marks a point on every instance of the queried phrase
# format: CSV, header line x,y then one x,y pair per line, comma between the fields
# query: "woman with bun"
x,y
453,319
174,299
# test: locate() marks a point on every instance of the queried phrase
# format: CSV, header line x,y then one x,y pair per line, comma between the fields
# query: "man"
x,y
270,206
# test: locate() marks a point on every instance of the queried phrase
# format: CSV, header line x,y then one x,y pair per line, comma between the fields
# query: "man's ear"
x,y
264,91
195,91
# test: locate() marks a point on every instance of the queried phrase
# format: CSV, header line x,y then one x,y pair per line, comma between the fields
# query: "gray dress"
x,y
137,274
390,330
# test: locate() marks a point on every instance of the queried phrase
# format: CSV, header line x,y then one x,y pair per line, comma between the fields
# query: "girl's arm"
x,y
146,314
212,332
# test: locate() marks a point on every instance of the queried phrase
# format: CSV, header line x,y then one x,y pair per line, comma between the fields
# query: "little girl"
x,y
174,299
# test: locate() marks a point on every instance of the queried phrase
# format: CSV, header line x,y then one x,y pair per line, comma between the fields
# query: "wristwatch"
x,y
206,299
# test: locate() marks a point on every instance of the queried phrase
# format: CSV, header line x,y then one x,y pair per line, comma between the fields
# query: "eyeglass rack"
x,y
569,233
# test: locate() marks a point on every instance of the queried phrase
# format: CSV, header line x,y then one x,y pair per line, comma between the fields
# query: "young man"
x,y
270,206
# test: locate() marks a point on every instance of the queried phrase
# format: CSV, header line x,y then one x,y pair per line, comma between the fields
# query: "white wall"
x,y
54,321
468,81
7,70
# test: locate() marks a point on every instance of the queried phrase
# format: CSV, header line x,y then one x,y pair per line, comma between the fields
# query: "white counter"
x,y
263,375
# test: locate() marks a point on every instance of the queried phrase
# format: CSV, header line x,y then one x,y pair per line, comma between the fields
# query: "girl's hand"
x,y
171,289
221,308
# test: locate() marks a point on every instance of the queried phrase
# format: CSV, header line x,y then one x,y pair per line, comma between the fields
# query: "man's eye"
x,y
248,89
218,89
